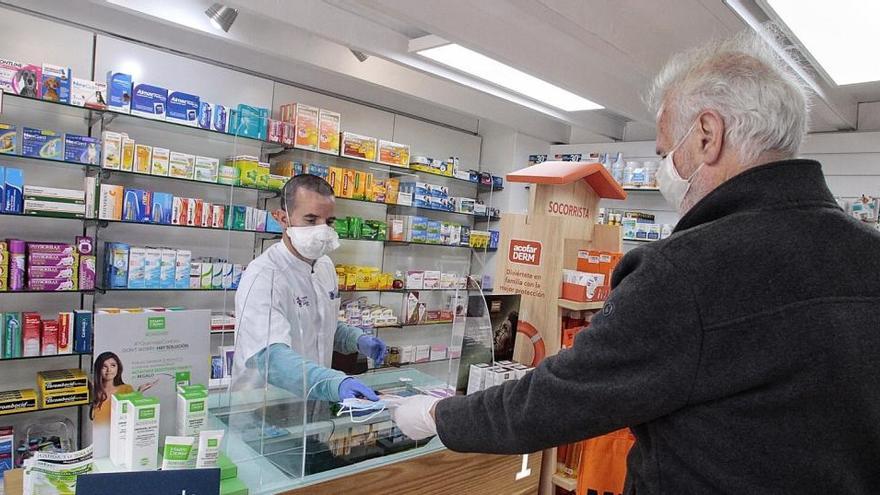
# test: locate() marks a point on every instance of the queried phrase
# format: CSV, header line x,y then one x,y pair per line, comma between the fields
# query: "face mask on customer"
x,y
673,186
312,241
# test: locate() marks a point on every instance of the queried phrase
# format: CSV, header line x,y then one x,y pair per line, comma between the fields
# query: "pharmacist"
x,y
742,351
287,304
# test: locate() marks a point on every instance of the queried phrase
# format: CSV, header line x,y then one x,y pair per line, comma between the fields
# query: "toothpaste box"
x,y
206,275
206,114
236,275
52,259
43,193
179,210
152,268
88,269
182,264
51,284
42,143
220,120
227,275
116,265
50,248
181,165
119,92
57,272
183,108
167,269
192,207
160,160
137,268
21,79
8,139
13,190
112,155
143,156
82,330
56,83
161,208
89,94
30,334
217,276
195,275
206,169
82,149
65,332
149,101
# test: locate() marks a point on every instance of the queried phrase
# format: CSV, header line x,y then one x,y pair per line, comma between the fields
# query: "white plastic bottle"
x,y
617,171
628,171
651,173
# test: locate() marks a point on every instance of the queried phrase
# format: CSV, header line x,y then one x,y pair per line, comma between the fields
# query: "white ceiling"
x,y
604,50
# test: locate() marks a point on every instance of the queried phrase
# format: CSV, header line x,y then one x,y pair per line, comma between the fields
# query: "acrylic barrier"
x,y
285,426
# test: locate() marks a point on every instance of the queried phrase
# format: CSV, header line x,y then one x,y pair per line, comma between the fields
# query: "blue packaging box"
x,y
183,108
434,227
433,238
206,114
149,101
220,120
136,206
494,239
82,149
419,236
56,83
42,143
160,209
8,139
116,265
497,182
251,121
119,92
82,330
232,123
13,190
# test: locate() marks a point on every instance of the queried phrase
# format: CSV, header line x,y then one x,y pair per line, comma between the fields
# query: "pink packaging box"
x,y
87,272
65,272
50,247
51,259
51,284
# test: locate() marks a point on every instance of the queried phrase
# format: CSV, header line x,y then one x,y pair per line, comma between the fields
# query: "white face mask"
x,y
312,241
673,186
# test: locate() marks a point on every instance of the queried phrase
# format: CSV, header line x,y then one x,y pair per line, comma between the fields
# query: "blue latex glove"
x,y
352,388
373,348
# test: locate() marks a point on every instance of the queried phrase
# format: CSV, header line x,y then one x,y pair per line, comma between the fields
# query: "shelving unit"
x,y
579,305
42,410
52,356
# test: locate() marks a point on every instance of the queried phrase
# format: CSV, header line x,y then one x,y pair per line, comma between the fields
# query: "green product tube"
x,y
12,341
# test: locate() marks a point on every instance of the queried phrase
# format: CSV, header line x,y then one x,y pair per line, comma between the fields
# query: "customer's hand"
x,y
352,388
372,347
414,415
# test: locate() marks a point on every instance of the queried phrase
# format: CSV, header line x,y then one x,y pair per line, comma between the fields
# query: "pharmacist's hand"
x,y
352,388
414,415
372,347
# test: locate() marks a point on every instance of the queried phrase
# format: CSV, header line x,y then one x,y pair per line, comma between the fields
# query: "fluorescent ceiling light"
x,y
842,36
483,67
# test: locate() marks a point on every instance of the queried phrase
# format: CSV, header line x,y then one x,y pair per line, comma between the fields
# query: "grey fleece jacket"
x,y
743,352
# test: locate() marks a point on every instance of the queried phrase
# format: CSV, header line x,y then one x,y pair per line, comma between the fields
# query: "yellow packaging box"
x,y
127,164
64,398
4,266
394,154
348,179
286,169
392,188
329,127
143,156
360,185
358,146
335,178
15,401
56,381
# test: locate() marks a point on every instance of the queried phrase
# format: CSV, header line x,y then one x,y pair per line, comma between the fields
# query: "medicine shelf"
x,y
31,215
579,305
28,358
154,289
404,291
108,116
641,189
41,409
628,239
19,292
105,223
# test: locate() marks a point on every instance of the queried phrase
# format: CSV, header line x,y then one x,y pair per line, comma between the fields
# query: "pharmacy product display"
x,y
55,389
130,267
631,174
29,334
47,266
636,225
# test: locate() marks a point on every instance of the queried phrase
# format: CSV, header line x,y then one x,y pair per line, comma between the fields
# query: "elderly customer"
x,y
744,350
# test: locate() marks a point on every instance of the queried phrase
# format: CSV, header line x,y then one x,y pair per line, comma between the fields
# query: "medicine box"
x,y
160,159
63,399
206,114
206,169
181,165
13,190
143,156
329,126
183,262
168,265
127,163
42,143
82,149
137,267
183,108
56,83
393,154
306,121
358,146
8,139
152,268
149,101
89,94
161,207
220,119
20,79
16,401
112,154
119,92
66,380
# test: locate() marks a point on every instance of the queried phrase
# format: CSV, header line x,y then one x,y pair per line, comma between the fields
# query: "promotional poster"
x,y
150,353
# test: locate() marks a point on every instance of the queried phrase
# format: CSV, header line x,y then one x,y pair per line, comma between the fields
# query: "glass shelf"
x,y
41,215
154,289
404,291
41,409
27,358
18,292
102,221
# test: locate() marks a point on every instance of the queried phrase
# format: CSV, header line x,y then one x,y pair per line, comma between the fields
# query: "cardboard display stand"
x,y
561,219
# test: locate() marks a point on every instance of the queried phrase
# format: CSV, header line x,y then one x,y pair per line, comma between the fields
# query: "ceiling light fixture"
x,y
361,56
221,16
495,72
840,36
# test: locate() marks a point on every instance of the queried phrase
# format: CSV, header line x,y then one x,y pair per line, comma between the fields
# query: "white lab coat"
x,y
282,299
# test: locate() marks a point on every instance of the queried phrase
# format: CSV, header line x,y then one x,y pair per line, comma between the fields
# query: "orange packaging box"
x,y
348,177
335,177
329,126
392,188
306,127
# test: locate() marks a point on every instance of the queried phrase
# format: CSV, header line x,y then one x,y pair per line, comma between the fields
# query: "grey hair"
x,y
764,104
